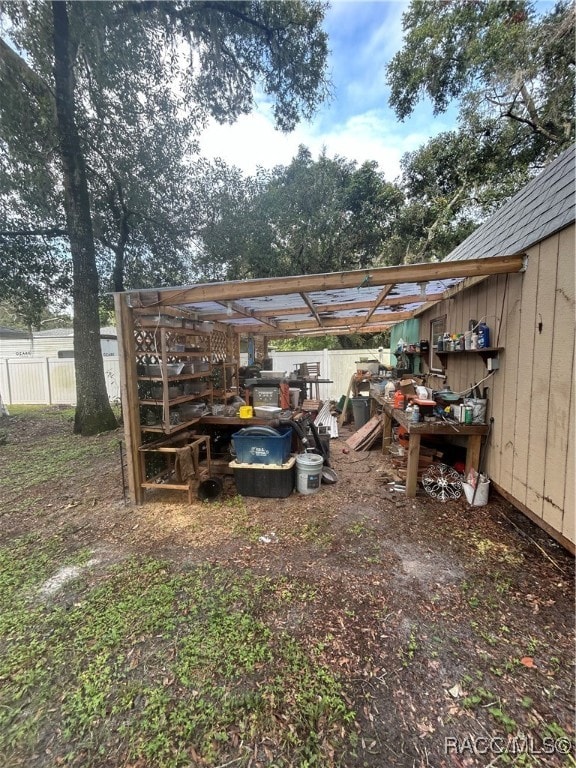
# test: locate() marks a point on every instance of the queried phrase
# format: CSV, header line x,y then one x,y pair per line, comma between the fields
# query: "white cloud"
x,y
252,141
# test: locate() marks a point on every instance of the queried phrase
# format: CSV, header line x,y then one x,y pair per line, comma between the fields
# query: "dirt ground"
x,y
451,626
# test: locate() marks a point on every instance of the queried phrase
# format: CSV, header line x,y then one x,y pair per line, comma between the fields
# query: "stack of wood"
x,y
365,437
311,405
427,457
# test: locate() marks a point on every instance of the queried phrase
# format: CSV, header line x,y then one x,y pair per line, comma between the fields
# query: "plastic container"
x,y
262,445
368,366
267,411
478,409
361,410
209,490
480,499
308,472
483,336
294,397
415,413
245,412
274,481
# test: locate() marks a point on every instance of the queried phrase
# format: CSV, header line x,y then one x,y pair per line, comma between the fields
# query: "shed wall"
x,y
532,395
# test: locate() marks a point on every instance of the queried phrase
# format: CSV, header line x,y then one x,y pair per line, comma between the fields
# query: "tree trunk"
x,y
93,411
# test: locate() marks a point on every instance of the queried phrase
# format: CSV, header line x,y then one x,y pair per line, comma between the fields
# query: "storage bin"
x,y
262,445
273,481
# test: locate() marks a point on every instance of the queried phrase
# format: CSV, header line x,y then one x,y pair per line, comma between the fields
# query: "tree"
x,y
504,64
115,108
512,74
307,217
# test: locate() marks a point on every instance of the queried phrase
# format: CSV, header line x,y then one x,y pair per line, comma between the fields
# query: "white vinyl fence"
x,y
48,380
51,381
336,364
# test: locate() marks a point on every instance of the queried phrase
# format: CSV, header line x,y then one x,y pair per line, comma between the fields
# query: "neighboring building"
x,y
531,317
57,343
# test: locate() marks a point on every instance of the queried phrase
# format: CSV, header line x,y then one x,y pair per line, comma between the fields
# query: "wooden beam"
x,y
129,394
241,311
383,293
276,286
391,301
310,304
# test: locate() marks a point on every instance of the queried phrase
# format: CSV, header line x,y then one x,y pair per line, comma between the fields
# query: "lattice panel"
x,y
147,344
260,347
219,346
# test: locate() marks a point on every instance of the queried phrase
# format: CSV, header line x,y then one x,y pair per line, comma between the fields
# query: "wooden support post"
x,y
342,417
473,452
386,431
412,468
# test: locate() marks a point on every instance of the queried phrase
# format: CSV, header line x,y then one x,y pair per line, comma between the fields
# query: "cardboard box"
x,y
406,386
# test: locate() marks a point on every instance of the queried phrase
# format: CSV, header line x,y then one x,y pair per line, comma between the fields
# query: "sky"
x,y
357,123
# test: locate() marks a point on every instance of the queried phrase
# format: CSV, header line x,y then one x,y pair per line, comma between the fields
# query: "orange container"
x,y
398,400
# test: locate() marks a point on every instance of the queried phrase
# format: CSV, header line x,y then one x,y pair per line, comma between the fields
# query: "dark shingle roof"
x,y
544,206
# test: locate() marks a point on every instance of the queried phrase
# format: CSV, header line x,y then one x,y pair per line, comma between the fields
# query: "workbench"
x,y
472,432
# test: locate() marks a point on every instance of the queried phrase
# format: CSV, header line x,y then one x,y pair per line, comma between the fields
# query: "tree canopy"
x,y
101,105
506,65
307,217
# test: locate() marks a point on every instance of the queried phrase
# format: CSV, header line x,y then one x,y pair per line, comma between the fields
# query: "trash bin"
x,y
361,410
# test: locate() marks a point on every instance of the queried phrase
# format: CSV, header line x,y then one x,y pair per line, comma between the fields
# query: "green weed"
x,y
150,662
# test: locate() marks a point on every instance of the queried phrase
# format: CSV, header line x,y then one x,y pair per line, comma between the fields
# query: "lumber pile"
x,y
365,437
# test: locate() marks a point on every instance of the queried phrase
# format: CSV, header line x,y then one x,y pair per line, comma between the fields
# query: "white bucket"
x,y
308,472
481,497
294,397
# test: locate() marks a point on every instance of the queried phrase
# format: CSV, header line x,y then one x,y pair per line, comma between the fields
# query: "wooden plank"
x,y
511,407
561,387
129,396
541,374
526,364
276,286
372,426
342,417
412,469
386,431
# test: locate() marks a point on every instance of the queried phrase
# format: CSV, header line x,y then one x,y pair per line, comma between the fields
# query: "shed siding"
x,y
531,397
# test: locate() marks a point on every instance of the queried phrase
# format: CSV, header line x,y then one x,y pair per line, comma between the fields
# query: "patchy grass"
x,y
148,664
355,628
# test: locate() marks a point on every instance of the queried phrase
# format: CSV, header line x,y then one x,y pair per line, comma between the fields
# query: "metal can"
x,y
468,414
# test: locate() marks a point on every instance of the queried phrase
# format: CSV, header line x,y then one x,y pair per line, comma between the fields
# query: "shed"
x,y
516,272
530,315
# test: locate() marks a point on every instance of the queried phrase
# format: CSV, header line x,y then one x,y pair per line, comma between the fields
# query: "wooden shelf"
x,y
485,353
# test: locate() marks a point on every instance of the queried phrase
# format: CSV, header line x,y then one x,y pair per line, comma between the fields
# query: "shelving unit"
x,y
486,353
224,380
173,367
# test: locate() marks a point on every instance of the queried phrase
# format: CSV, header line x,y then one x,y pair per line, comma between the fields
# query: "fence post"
x,y
48,383
8,382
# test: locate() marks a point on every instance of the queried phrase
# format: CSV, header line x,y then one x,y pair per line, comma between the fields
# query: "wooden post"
x,y
412,468
129,395
473,452
342,416
386,431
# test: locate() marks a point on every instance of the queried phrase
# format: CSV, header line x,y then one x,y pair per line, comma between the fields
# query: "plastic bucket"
x,y
361,410
481,496
209,490
308,472
294,397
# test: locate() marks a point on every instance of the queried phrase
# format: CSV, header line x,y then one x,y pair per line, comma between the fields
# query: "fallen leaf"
x,y
528,661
